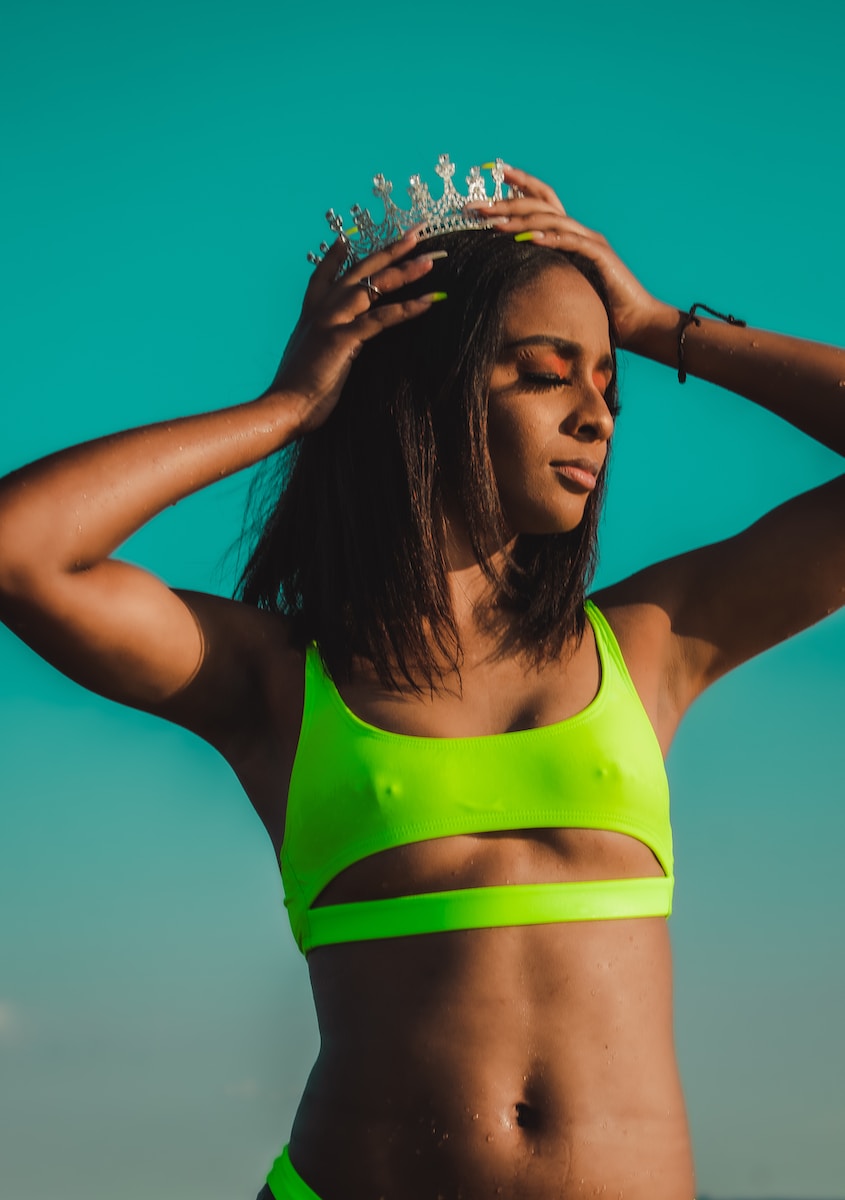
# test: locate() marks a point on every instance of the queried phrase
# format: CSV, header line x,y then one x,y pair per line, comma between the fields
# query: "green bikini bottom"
x,y
285,1182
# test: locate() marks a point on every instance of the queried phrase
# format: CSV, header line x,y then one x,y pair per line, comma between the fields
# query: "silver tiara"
x,y
444,215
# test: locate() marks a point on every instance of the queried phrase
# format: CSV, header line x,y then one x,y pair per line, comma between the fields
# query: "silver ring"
x,y
373,292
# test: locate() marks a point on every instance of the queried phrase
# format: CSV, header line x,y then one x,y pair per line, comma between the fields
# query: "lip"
x,y
579,471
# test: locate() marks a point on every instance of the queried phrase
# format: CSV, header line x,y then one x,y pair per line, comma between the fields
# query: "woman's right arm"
x,y
112,626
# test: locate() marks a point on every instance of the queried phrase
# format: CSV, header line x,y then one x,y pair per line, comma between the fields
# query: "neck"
x,y
470,587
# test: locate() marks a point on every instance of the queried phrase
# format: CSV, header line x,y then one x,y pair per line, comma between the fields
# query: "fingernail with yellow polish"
x,y
352,229
434,297
488,166
531,235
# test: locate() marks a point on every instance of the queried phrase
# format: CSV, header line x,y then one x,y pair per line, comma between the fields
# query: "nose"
x,y
590,420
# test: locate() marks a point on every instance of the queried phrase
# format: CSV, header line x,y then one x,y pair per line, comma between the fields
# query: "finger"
x,y
383,258
550,223
336,294
347,339
354,300
391,278
520,206
325,272
533,186
371,323
573,240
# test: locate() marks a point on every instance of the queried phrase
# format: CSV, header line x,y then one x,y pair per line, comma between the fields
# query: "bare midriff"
x,y
516,1063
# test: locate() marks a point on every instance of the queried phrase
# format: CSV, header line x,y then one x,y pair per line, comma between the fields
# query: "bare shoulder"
x,y
686,621
247,690
641,621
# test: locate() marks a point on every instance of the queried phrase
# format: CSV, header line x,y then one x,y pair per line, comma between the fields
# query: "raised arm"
x,y
801,381
707,611
117,629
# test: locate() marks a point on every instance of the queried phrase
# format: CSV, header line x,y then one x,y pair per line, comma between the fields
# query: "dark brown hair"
x,y
350,545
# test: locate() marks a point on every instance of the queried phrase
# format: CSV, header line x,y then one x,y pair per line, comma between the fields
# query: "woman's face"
x,y
548,423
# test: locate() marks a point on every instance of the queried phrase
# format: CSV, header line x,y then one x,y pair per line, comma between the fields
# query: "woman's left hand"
x,y
539,211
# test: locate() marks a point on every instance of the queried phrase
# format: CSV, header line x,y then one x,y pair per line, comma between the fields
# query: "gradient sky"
x,y
166,169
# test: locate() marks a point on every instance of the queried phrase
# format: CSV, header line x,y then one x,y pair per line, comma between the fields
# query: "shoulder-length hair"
x,y
351,543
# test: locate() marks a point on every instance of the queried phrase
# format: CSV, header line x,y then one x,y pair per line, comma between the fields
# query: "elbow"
x,y
26,571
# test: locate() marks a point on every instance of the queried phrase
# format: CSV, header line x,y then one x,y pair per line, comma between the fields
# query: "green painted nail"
x,y
433,297
528,236
487,166
352,229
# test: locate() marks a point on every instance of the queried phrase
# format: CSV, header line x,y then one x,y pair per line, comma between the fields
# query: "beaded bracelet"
x,y
691,319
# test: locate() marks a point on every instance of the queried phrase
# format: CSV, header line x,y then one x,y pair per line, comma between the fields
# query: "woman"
x,y
476,852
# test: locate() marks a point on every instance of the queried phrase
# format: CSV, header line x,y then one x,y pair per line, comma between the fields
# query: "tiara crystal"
x,y
443,215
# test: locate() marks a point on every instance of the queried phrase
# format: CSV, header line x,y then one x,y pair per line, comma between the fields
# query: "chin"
x,y
545,515
548,524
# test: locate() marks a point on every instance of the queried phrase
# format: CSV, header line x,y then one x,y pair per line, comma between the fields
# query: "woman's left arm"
x,y
803,382
724,603
732,600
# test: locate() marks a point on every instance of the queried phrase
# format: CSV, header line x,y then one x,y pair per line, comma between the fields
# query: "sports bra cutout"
x,y
357,789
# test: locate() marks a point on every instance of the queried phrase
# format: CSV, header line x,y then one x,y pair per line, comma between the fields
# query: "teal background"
x,y
165,170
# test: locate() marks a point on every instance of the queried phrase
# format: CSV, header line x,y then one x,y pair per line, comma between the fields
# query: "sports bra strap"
x,y
487,907
608,646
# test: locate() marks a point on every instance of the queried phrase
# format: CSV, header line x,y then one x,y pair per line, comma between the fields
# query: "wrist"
x,y
283,414
690,318
657,337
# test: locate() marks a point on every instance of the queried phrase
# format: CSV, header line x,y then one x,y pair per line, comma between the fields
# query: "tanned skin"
x,y
524,1063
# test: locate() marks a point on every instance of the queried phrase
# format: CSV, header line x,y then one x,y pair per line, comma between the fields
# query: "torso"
x,y
526,1062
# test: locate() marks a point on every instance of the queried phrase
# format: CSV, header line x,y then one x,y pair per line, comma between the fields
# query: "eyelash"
x,y
539,382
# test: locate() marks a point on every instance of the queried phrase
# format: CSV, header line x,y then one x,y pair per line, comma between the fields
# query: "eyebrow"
x,y
564,347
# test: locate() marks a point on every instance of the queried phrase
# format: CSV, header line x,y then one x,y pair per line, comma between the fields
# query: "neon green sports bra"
x,y
356,790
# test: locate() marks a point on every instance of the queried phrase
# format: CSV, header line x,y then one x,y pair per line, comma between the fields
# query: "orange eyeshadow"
x,y
548,363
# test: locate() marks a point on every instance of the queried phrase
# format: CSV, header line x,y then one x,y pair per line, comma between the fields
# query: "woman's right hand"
x,y
338,316
114,627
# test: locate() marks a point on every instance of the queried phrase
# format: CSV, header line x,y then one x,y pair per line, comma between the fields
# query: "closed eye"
x,y
544,381
541,380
